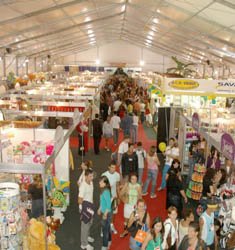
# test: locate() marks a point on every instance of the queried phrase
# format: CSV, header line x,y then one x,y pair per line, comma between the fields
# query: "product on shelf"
x,y
195,187
36,237
11,224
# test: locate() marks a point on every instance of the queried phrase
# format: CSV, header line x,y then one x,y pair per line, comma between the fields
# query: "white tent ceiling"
x,y
193,30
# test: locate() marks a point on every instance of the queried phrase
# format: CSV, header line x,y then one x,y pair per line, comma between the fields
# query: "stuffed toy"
x,y
36,236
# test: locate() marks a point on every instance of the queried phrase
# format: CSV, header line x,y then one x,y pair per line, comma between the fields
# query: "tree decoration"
x,y
182,69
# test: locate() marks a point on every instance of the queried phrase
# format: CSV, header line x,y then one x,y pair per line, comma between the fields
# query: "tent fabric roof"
x,y
193,30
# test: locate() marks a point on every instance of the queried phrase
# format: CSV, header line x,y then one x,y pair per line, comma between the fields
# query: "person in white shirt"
x,y
116,105
86,191
134,128
141,154
171,226
84,165
123,148
115,121
172,152
114,181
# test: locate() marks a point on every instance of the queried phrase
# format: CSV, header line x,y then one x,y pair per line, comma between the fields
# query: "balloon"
x,y
162,146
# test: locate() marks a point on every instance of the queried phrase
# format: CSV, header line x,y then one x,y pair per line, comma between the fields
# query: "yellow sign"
x,y
185,84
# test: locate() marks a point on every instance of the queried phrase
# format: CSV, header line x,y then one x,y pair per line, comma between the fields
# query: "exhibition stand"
x,y
27,151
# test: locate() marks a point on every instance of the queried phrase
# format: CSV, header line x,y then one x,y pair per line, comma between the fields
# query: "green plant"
x,y
182,69
11,80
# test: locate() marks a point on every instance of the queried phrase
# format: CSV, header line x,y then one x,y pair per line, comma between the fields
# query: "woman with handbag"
x,y
138,224
129,194
153,239
171,227
105,211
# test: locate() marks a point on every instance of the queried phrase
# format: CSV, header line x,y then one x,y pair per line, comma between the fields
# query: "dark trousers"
x,y
106,229
97,144
211,247
37,208
172,247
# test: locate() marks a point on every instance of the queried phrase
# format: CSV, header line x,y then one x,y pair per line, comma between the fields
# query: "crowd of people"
x,y
123,106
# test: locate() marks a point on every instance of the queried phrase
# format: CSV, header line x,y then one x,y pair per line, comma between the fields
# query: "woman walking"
x,y
107,132
130,194
152,166
105,211
175,191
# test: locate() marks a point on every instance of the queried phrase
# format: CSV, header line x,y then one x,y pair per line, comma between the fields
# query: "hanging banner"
x,y
227,146
199,86
195,121
225,86
183,84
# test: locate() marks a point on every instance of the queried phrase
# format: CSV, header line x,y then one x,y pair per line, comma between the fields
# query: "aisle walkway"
x,y
68,236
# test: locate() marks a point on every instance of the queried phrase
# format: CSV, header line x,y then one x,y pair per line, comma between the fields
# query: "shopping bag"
x,y
141,235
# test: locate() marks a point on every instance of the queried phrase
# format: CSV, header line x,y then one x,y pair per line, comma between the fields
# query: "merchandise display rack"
x,y
30,168
195,188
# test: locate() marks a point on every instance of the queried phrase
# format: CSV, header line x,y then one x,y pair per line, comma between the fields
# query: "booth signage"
x,y
227,146
226,86
195,121
183,84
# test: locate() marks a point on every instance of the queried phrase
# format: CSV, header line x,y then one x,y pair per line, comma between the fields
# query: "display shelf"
x,y
195,186
10,216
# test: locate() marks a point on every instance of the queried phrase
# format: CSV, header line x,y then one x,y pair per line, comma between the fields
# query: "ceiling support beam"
x,y
39,12
63,46
53,42
226,3
64,29
212,37
53,23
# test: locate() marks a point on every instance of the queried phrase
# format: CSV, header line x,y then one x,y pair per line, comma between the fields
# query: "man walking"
x,y
85,196
114,180
115,121
129,162
97,133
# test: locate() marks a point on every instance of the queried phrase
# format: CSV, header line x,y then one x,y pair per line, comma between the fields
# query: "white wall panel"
x,y
120,52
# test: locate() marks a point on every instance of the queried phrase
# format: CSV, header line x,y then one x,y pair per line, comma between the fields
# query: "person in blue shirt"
x,y
207,227
105,211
